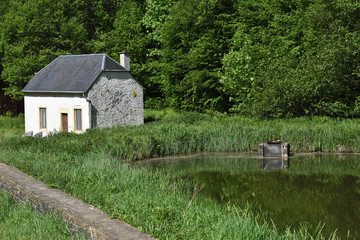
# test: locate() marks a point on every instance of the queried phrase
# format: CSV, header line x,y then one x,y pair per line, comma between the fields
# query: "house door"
x,y
64,122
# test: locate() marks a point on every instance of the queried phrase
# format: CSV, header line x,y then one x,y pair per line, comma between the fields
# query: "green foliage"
x,y
183,132
156,14
194,39
33,33
129,34
89,166
152,201
21,222
256,58
11,126
295,58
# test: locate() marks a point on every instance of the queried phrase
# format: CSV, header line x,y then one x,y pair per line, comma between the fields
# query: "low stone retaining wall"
x,y
82,217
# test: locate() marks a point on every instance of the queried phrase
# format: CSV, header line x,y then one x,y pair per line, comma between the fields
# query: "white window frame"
x,y
76,119
43,126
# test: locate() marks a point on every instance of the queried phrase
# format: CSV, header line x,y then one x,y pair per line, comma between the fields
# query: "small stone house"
x,y
77,92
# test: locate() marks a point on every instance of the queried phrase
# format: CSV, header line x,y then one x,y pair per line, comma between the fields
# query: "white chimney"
x,y
125,59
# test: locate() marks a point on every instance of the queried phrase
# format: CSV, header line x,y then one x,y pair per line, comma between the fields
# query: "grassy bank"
x,y
190,132
21,222
149,200
11,126
91,167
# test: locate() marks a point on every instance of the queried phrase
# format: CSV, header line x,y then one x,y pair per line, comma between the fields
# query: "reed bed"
x,y
179,136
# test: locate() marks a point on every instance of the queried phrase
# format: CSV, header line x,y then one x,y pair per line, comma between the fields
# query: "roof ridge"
x,y
103,62
83,55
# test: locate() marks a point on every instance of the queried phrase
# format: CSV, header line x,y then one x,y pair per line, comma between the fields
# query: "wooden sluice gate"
x,y
274,155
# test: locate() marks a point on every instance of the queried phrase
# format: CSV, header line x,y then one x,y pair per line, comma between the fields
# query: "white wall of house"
x,y
55,105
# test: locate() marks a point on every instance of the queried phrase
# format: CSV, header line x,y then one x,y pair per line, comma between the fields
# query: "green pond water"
x,y
312,189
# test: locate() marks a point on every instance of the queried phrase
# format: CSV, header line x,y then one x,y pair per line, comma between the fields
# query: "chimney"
x,y
125,59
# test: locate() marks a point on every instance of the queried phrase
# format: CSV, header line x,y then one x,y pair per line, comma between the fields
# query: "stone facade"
x,y
116,99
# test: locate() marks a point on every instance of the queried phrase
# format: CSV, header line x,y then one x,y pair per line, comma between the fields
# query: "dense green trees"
x,y
262,58
295,58
33,33
193,42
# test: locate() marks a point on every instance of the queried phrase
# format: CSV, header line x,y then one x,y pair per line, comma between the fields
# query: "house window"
x,y
43,118
78,120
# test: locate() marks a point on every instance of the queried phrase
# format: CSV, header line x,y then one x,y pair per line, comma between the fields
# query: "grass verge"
x,y
21,222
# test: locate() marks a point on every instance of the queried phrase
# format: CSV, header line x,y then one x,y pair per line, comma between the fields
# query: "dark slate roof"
x,y
72,73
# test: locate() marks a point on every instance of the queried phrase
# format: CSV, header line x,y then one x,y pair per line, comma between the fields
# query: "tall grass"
x,y
20,222
90,166
184,135
11,126
6,121
152,201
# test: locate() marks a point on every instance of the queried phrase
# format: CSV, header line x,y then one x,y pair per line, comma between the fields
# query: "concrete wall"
x,y
113,100
55,105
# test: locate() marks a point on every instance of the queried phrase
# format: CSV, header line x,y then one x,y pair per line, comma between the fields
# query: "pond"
x,y
309,189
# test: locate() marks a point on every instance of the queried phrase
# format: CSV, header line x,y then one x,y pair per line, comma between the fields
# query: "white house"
x,y
77,92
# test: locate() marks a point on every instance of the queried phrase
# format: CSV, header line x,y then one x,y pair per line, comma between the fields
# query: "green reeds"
x,y
213,134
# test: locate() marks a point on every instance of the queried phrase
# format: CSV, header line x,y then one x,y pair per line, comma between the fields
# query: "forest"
x,y
272,59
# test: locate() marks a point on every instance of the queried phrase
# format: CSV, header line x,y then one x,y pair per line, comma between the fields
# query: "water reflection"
x,y
316,189
274,163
